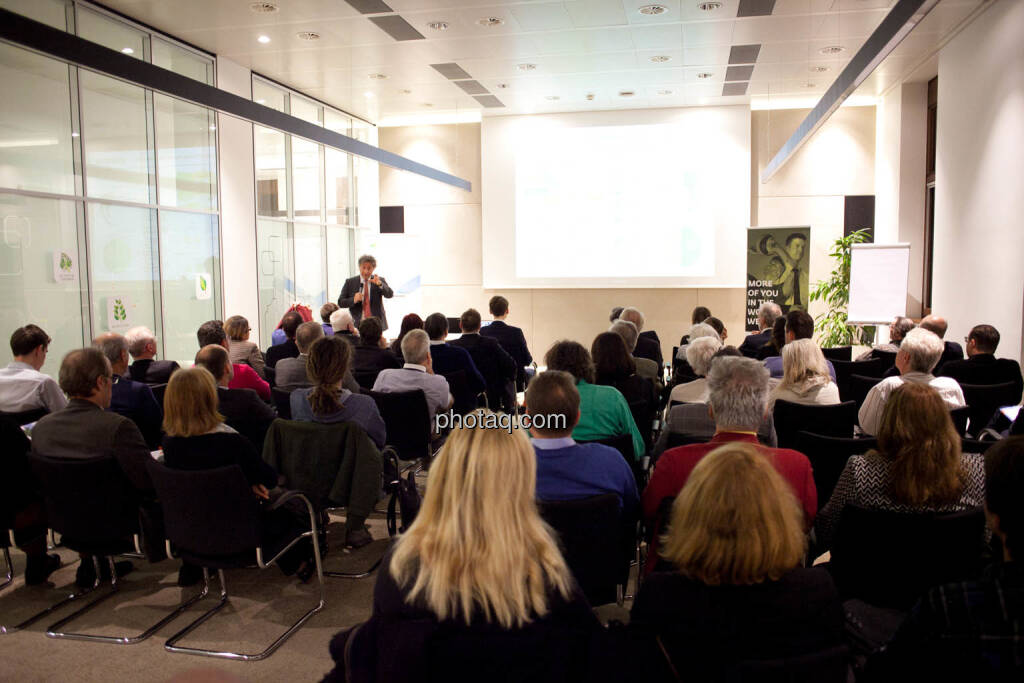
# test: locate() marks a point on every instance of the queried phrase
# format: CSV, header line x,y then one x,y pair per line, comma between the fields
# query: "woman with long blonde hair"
x,y
736,591
805,376
477,585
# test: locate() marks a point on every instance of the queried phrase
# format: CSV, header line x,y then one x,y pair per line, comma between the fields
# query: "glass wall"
x,y
108,192
307,199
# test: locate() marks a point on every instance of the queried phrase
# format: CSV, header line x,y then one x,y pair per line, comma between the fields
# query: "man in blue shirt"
x,y
567,470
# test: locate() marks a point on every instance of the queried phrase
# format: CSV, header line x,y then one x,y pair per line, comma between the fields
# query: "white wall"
x,y
979,236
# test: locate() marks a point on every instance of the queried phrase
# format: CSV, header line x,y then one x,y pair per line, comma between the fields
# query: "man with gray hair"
x,y
146,369
129,398
645,367
363,294
898,330
343,325
767,314
919,353
737,401
417,373
647,344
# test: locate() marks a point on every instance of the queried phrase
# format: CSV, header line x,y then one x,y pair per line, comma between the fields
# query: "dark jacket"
x,y
985,368
377,296
151,371
753,343
84,430
448,359
246,413
335,464
650,349
219,449
951,352
494,363
288,349
514,343
370,359
18,486
136,401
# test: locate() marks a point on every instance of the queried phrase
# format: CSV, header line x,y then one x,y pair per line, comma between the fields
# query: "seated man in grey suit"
x,y
417,373
243,409
86,430
291,372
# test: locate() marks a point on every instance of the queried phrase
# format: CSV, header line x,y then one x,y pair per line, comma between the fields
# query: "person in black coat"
x,y
511,338
289,349
243,409
982,366
146,369
613,366
354,293
134,400
497,367
951,350
767,314
369,357
646,347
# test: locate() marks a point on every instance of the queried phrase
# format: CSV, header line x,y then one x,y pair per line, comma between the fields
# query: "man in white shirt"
x,y
417,373
918,353
22,386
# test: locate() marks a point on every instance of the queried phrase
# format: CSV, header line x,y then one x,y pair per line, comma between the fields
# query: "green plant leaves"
x,y
834,292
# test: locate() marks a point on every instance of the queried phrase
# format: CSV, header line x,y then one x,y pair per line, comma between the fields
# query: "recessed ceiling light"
x,y
378,77
213,127
367,94
490,21
660,59
705,74
590,97
709,6
438,25
626,93
526,67
503,86
832,50
552,97
308,35
664,92
263,7
809,85
127,51
819,69
263,39
74,134
653,10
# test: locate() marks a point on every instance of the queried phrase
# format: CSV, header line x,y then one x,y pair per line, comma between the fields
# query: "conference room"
x,y
295,289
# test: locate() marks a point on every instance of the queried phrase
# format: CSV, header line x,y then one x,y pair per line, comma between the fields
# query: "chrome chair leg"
x,y
356,575
54,632
10,569
52,608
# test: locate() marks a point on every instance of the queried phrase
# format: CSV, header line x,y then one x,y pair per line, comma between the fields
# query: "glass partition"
x,y
190,275
186,154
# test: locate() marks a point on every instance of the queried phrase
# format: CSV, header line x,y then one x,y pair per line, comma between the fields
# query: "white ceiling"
x,y
585,51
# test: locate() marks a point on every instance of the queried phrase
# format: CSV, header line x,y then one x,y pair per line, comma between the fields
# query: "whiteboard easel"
x,y
879,277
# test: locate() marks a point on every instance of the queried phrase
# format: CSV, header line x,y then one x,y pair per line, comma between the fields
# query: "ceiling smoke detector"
x,y
660,59
503,86
490,21
377,77
428,104
709,6
308,35
626,93
819,69
405,91
809,85
438,25
263,7
653,10
705,75
832,50
590,97
526,67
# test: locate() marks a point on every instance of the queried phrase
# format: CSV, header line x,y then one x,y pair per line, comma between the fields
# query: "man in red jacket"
x,y
738,399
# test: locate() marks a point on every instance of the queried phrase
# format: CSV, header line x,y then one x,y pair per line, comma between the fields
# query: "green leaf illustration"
x,y
65,262
202,283
119,313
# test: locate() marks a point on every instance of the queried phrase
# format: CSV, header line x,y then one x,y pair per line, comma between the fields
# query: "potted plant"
x,y
834,291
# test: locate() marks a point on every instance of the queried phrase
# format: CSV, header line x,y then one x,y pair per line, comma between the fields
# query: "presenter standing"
x,y
363,295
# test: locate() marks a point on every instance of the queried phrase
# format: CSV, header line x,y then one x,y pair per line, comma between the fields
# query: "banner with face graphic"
x,y
778,263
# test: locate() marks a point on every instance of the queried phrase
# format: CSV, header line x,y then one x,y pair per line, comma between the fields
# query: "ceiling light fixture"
x,y
490,21
590,97
127,51
818,69
263,39
809,85
367,94
427,104
74,134
503,86
308,35
704,75
660,59
261,101
438,25
709,6
377,77
832,50
552,98
664,92
526,67
626,93
653,10
263,7
213,127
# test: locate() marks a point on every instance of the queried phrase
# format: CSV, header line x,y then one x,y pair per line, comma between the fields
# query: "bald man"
x,y
952,351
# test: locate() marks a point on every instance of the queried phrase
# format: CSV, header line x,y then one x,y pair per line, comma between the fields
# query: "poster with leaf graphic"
x,y
118,313
64,267
204,286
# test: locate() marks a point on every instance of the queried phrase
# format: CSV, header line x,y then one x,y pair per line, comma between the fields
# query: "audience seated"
x,y
604,412
737,401
290,373
682,371
344,325
326,401
773,347
145,368
699,315
567,470
132,399
698,354
718,326
918,466
325,315
286,348
447,358
918,354
240,349
982,366
511,338
279,336
805,377
971,631
85,429
417,373
952,351
476,589
243,375
767,314
494,363
736,591
411,321
371,354
22,386
897,333
236,405
198,439
645,367
614,367
646,347
799,325
616,311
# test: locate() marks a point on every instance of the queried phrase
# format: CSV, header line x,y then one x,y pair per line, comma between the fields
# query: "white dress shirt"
x,y
23,388
412,376
870,415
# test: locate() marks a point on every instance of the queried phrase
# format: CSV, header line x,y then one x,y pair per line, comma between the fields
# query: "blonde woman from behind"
x,y
805,376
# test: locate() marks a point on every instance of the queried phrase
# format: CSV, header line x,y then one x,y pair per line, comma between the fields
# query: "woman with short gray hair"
x,y
699,353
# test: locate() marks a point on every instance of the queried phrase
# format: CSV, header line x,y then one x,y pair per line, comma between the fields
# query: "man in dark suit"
x,y
510,338
982,366
132,399
370,356
242,408
85,429
289,324
363,295
952,350
146,369
767,314
448,359
645,346
497,367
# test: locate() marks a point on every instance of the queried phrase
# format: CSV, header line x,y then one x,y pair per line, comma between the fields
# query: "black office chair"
x,y
830,420
96,510
270,374
888,359
598,545
5,544
25,417
843,353
827,666
828,456
366,378
859,387
283,402
407,421
864,368
465,400
255,431
984,400
960,416
213,520
888,559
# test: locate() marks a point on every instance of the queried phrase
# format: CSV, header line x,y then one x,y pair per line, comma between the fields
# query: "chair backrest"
x,y
973,446
835,353
25,417
826,666
255,431
158,392
592,539
283,402
458,385
844,369
89,501
889,559
366,378
828,456
859,387
681,439
831,420
623,443
985,400
207,513
960,416
888,358
407,421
